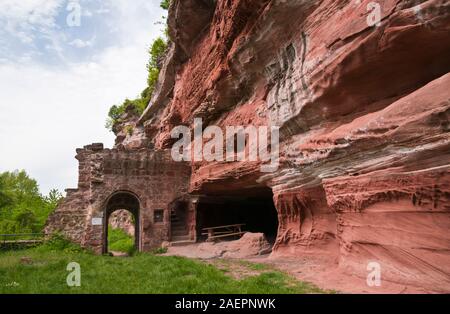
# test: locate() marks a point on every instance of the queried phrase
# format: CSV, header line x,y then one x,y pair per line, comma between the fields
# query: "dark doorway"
x,y
179,222
118,204
254,208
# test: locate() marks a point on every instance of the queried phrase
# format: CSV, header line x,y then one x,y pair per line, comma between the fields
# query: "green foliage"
x,y
129,129
160,250
115,112
4,197
144,273
156,53
22,208
165,4
120,241
58,243
54,197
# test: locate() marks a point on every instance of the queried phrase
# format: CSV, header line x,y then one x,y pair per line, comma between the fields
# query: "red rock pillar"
x,y
306,223
399,220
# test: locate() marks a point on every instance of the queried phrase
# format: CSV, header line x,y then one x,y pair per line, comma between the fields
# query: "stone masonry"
x,y
149,176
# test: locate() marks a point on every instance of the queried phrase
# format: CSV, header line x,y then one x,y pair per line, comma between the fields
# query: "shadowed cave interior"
x,y
254,208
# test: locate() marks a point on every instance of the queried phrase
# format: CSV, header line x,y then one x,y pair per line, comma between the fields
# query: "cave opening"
x,y
253,208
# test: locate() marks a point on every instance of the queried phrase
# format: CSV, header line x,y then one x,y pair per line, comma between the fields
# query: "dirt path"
x,y
119,254
319,271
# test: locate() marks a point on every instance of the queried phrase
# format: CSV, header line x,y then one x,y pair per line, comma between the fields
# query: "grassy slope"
x,y
45,272
119,240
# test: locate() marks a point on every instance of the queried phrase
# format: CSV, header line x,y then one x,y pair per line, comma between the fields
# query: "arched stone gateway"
x,y
142,181
122,200
155,190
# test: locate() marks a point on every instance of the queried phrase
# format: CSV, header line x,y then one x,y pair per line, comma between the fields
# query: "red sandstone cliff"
x,y
363,113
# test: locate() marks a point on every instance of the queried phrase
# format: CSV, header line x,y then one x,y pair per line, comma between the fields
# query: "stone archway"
x,y
122,200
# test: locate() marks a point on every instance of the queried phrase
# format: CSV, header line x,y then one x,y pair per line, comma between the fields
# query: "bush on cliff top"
x,y
156,52
165,4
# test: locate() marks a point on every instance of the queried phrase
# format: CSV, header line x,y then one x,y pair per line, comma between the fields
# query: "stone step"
x,y
179,233
181,243
178,228
180,238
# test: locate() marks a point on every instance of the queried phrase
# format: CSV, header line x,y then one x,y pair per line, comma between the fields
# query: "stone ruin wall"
x,y
152,176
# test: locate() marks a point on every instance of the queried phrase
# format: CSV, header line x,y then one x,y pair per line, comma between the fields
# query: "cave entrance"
x,y
254,208
121,224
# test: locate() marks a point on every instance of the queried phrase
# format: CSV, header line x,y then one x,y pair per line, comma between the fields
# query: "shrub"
x,y
156,52
58,242
160,250
165,4
115,112
129,129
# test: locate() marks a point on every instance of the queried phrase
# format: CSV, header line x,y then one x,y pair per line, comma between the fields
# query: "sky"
x,y
62,65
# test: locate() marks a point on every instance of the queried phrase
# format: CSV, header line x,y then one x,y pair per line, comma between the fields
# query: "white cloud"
x,y
79,43
30,13
24,37
47,112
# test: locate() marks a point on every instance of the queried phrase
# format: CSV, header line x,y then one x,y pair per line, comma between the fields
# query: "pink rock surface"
x,y
364,118
249,245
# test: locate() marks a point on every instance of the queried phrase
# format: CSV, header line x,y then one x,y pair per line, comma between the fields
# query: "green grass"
x,y
43,270
255,266
120,241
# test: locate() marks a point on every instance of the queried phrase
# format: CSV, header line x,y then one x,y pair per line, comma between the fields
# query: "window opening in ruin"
x,y
158,215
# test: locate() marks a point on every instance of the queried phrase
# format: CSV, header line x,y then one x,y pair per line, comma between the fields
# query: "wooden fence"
x,y
20,240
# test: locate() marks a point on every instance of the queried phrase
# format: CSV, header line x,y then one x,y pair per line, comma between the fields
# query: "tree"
x,y
54,198
4,197
26,220
23,209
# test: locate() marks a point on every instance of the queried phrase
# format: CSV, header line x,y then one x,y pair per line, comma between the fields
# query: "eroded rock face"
x,y
122,219
363,112
249,245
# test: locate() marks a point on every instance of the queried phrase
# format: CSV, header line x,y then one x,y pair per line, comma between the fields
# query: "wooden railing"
x,y
12,241
215,233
